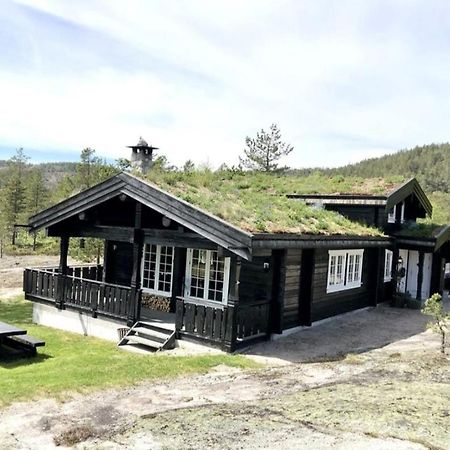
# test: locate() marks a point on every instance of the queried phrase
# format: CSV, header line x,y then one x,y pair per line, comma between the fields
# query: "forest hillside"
x,y
430,164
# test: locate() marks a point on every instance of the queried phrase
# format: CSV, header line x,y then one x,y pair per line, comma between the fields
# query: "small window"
x,y
157,269
402,213
344,269
388,254
391,214
207,275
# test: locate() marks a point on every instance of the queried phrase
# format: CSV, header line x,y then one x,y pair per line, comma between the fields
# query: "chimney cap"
x,y
142,144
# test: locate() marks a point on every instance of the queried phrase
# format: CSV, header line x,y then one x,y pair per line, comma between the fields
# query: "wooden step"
x,y
134,339
166,327
151,333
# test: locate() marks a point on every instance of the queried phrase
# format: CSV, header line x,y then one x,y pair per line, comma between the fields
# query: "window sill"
x,y
157,293
200,301
387,280
331,290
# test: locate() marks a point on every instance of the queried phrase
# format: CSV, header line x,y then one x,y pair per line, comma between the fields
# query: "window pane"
x,y
339,271
199,258
157,273
332,274
216,276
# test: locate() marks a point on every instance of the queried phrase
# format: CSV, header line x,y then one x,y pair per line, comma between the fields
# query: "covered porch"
x,y
164,261
421,262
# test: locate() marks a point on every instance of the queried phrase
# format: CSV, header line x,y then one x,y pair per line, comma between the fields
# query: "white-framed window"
x,y
388,255
207,276
157,269
344,269
391,214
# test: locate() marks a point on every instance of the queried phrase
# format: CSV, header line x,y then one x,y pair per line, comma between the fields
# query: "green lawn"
x,y
71,362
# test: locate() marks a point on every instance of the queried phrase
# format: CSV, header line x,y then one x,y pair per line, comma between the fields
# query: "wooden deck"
x,y
78,292
228,326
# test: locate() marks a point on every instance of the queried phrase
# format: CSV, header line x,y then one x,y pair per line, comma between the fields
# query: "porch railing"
x,y
76,292
252,320
90,272
231,326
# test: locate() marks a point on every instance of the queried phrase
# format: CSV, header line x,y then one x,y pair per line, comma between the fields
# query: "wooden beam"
x,y
62,272
278,287
232,305
420,275
178,238
317,242
74,205
306,286
136,291
179,268
119,234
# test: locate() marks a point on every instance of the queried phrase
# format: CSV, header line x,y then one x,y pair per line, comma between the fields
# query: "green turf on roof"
x,y
256,202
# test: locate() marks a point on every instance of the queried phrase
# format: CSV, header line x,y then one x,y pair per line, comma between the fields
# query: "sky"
x,y
343,80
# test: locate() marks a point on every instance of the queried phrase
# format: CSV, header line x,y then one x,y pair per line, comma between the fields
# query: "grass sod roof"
x,y
257,202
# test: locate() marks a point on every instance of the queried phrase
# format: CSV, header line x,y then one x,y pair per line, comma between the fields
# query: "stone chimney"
x,y
142,156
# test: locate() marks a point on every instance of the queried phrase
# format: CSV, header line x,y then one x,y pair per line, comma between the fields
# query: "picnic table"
x,y
7,330
17,338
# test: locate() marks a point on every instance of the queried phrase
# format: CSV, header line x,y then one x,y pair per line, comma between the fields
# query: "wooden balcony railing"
x,y
79,293
232,325
252,320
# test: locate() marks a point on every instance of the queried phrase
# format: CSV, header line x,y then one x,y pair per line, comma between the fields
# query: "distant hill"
x,y
430,164
53,171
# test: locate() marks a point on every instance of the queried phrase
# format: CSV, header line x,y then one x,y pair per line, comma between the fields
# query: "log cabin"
x,y
177,268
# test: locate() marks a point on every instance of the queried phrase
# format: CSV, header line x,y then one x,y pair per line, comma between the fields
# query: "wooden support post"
x,y
179,267
278,287
233,305
306,286
378,261
394,272
420,275
62,272
179,315
134,310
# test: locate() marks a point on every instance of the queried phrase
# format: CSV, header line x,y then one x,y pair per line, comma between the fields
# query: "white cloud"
x,y
343,80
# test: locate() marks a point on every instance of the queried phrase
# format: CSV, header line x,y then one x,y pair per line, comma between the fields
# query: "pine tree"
x,y
37,194
14,193
264,151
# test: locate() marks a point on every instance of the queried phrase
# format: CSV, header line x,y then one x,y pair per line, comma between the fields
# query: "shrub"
x,y
440,319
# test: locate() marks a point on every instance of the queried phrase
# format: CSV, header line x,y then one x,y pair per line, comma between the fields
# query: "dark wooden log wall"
x,y
370,215
255,283
329,304
291,311
118,262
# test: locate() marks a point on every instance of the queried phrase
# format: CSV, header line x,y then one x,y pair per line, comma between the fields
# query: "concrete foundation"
x,y
76,322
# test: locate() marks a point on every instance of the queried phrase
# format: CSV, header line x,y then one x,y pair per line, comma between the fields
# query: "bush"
x,y
441,320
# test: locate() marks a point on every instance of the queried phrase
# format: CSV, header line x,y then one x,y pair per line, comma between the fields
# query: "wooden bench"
x,y
25,342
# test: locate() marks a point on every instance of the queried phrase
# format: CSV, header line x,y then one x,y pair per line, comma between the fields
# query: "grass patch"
x,y
71,362
257,202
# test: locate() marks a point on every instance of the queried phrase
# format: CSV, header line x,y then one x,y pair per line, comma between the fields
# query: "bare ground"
x,y
11,269
326,388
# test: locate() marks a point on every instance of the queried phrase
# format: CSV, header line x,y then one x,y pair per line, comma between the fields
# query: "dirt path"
x,y
11,269
120,418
